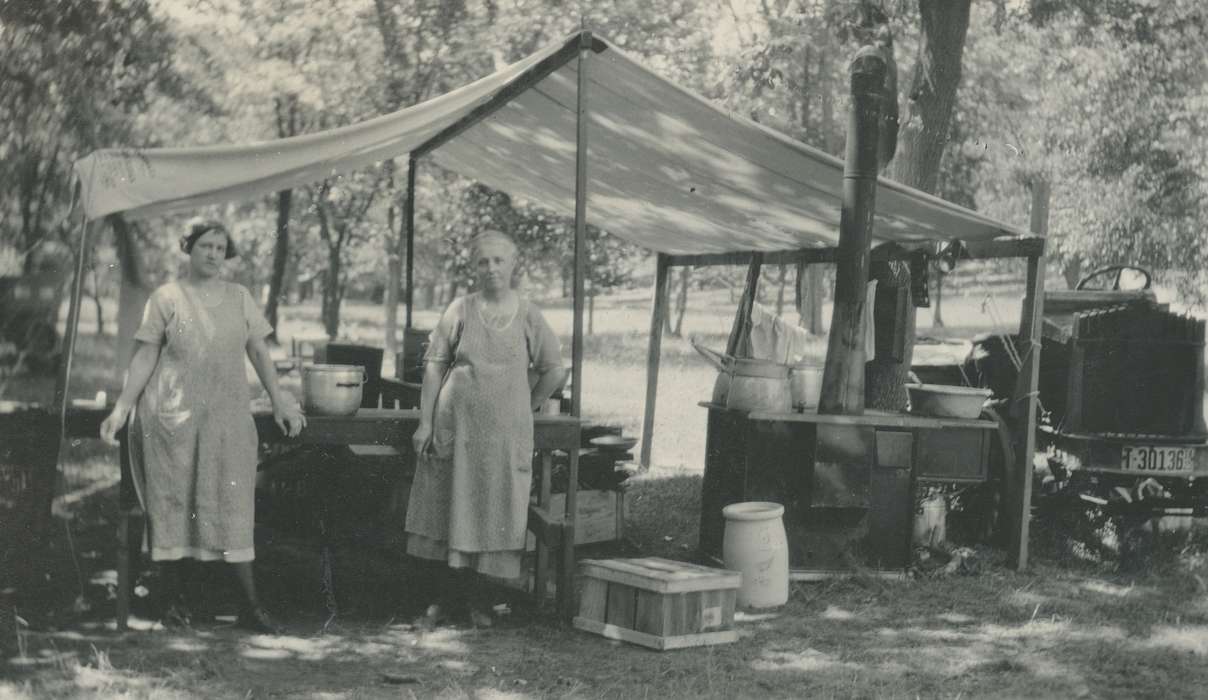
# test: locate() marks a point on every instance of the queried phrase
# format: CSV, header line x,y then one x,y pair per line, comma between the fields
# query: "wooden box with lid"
x,y
657,603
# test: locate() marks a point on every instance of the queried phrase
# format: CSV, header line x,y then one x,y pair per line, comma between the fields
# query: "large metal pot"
x,y
332,390
747,384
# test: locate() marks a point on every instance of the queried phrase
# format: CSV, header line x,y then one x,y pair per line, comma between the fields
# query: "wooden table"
x,y
391,427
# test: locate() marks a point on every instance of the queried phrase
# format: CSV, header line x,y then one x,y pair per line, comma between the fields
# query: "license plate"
x,y
1153,459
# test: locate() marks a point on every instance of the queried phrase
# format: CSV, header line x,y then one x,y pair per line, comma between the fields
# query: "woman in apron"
x,y
192,439
468,507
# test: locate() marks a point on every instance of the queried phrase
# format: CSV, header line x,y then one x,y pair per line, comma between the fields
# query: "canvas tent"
x,y
669,170
580,127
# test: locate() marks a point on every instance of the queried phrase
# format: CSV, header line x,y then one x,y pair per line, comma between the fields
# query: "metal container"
x,y
943,401
747,384
332,390
806,383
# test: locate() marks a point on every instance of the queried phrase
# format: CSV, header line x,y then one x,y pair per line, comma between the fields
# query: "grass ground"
x,y
1054,631
1061,629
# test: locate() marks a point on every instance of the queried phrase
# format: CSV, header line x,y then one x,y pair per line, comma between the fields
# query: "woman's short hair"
x,y
197,229
492,237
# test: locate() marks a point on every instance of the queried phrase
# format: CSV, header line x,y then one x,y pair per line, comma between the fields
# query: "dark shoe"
x,y
257,620
434,616
177,616
481,618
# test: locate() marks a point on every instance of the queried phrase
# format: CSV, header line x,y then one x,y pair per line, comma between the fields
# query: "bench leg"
x,y
540,566
566,574
128,523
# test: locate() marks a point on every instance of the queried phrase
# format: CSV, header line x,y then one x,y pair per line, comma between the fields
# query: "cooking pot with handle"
x,y
748,384
332,390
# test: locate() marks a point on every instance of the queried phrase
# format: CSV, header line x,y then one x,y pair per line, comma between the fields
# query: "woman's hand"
x,y
115,422
288,418
420,438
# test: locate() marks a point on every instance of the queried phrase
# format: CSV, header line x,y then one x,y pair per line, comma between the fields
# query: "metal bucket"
x,y
746,384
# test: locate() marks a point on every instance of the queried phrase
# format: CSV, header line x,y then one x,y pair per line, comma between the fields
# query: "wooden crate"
x,y
599,516
657,603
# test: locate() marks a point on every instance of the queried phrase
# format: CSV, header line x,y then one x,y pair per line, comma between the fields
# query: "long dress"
x,y
469,501
193,441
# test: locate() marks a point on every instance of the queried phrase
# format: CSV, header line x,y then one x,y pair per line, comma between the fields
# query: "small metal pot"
x,y
806,383
332,390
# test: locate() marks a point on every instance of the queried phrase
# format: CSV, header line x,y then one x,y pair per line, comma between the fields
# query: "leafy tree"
x,y
341,207
1115,125
75,75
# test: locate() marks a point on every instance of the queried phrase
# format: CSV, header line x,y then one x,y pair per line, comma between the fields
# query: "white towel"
x,y
773,339
870,328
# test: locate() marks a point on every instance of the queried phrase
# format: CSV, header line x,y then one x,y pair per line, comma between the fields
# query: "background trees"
x,y
74,76
1102,103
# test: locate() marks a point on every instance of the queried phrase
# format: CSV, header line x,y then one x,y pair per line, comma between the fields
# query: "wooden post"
x,y
843,376
738,343
409,222
566,569
576,402
1039,222
1025,401
657,315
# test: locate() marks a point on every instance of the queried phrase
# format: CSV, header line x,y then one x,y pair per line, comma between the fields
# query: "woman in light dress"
x,y
192,440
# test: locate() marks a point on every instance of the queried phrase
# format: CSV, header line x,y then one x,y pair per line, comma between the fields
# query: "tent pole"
x,y
63,380
580,227
409,222
1024,409
657,315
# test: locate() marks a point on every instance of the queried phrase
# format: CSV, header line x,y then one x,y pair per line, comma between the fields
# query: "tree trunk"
x,y
591,311
394,277
817,297
924,128
932,97
330,311
395,242
96,295
1072,271
884,374
937,316
782,281
100,315
681,300
276,280
132,292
